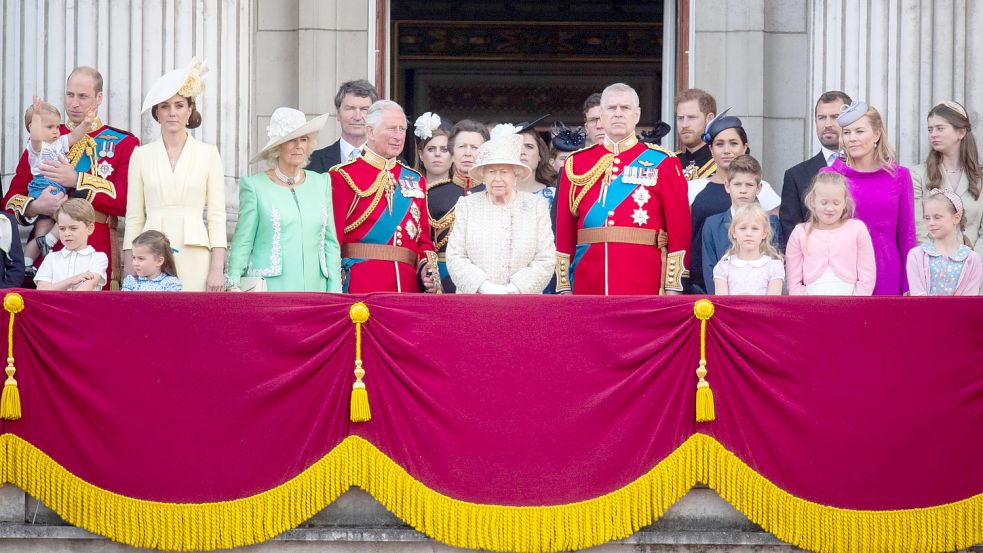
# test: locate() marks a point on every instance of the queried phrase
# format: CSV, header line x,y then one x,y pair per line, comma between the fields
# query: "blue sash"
x,y
618,192
107,136
385,227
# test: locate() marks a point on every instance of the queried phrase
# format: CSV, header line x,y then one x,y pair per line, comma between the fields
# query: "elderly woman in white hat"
x,y
502,241
172,181
285,239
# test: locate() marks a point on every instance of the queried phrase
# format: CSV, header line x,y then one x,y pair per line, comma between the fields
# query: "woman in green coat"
x,y
285,239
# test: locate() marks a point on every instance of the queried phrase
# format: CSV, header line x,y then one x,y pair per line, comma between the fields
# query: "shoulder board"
x,y
661,149
343,164
408,168
437,183
122,134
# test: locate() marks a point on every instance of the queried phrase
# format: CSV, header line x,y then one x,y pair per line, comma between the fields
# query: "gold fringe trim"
x,y
616,515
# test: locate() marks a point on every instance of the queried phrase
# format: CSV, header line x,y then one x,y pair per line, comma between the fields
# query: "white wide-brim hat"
x,y
188,82
501,150
287,124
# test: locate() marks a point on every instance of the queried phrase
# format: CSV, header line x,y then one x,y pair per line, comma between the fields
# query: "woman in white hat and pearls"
x,y
286,235
173,180
502,241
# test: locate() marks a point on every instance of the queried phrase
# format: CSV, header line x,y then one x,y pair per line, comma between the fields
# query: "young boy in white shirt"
x,y
77,266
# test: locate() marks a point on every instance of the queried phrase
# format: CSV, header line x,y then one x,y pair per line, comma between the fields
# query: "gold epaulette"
x,y
342,164
658,148
437,183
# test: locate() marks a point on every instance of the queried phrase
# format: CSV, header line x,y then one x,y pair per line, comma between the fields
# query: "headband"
x,y
954,106
957,202
850,114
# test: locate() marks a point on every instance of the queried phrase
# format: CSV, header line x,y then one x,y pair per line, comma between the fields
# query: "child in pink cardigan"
x,y
944,265
832,254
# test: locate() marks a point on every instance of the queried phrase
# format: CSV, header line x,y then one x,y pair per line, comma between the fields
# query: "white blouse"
x,y
501,245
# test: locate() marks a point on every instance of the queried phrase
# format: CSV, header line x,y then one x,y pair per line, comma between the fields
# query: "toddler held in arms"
x,y
77,266
46,144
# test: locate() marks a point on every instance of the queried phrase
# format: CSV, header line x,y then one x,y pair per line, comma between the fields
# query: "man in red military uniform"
x,y
96,172
380,212
623,222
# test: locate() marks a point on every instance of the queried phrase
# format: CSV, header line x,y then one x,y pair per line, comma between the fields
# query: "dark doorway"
x,y
516,60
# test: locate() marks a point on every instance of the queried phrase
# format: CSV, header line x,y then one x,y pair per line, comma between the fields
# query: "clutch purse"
x,y
252,284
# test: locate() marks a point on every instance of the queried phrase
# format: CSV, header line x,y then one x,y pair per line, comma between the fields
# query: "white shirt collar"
x,y
88,250
346,149
759,262
827,153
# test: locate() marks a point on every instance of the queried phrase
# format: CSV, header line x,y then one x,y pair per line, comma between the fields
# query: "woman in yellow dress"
x,y
177,184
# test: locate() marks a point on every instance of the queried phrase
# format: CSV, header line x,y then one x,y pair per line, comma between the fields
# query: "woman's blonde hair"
x,y
752,212
272,155
883,152
832,179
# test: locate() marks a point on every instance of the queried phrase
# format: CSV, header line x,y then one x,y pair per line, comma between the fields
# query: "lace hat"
x,y
501,150
188,82
287,124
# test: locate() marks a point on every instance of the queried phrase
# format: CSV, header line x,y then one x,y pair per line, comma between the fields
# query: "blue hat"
x,y
720,123
850,114
566,139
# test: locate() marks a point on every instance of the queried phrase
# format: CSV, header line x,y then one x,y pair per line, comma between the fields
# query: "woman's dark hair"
x,y
421,144
193,122
544,172
968,155
741,133
159,244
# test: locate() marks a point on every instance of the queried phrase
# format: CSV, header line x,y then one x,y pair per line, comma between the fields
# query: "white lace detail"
x,y
324,234
274,269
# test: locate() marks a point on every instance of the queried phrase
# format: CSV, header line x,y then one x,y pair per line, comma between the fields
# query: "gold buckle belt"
x,y
380,252
621,235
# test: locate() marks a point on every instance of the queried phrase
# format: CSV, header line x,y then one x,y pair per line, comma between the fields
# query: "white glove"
x,y
489,287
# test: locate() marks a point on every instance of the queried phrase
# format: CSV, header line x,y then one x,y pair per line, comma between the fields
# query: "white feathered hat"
x,y
287,124
188,82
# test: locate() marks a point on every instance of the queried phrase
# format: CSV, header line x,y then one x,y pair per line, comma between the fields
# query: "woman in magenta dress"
x,y
882,192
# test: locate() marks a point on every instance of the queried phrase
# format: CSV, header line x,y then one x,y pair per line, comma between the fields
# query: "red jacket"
x,y
102,161
371,209
646,192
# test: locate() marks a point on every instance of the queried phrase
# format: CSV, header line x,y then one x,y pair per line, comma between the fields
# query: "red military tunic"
x,y
612,203
102,160
380,213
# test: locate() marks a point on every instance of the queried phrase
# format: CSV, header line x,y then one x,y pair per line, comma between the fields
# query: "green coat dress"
x,y
286,237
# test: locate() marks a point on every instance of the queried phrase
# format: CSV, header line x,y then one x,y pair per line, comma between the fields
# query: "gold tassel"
x,y
10,399
703,309
359,411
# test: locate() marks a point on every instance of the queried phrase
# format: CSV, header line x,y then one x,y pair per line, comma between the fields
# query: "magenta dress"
x,y
886,204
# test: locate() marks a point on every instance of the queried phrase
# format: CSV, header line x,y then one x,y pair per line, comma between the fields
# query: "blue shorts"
x,y
39,183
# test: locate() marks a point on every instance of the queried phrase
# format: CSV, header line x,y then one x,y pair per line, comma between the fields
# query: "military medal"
x,y
102,151
640,217
110,148
641,196
104,169
411,229
415,212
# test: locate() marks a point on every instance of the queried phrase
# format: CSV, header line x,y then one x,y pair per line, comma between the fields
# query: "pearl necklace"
x,y
289,180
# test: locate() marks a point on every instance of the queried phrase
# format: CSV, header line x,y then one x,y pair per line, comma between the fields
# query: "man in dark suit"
x,y
797,179
352,102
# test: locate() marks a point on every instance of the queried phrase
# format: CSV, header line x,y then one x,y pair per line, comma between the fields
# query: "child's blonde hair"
x,y
752,212
79,210
45,108
832,179
158,243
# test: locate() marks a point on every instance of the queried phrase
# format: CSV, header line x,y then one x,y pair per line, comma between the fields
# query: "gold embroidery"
x,y
437,183
18,204
96,185
675,271
562,272
383,184
581,184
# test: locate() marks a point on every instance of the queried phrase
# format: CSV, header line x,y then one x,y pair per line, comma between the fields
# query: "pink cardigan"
x,y
919,274
847,250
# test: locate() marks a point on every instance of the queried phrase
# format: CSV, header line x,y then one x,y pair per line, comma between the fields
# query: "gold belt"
x,y
380,252
621,235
